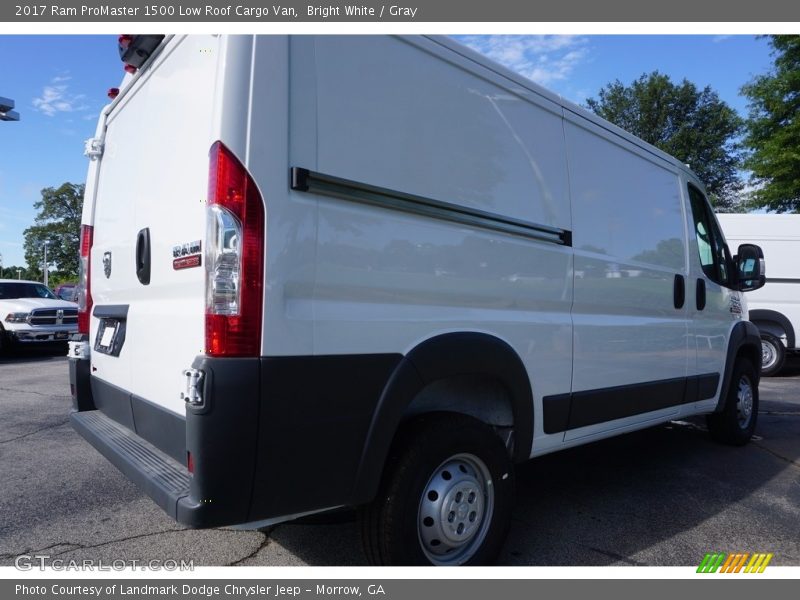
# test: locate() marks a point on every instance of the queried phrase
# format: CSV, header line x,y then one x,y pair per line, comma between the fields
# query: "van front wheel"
x,y
446,496
737,421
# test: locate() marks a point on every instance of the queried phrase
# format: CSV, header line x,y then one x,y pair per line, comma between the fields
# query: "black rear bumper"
x,y
273,436
162,478
151,445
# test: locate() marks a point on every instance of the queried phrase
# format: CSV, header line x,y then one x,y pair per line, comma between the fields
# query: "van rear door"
x,y
149,227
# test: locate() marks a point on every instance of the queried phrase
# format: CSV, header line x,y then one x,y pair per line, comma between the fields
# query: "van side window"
x,y
710,243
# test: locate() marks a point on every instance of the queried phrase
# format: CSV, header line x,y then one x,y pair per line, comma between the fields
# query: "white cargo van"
x,y
775,308
376,272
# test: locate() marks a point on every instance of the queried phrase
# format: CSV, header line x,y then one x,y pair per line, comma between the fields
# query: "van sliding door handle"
x,y
679,292
143,256
701,294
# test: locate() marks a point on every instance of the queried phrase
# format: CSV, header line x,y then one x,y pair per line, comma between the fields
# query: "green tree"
x,y
693,125
57,222
10,272
773,129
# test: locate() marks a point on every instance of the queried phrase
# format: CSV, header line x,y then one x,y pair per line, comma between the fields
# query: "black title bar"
x,y
255,11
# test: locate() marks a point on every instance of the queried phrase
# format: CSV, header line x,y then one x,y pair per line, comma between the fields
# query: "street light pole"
x,y
19,274
46,242
6,110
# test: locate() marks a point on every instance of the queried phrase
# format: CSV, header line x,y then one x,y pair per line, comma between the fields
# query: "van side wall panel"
x,y
389,114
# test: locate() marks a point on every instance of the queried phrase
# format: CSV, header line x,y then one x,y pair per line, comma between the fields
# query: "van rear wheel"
x,y
737,421
773,355
446,496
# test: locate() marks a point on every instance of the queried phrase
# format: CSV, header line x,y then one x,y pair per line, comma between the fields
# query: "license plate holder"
x,y
110,336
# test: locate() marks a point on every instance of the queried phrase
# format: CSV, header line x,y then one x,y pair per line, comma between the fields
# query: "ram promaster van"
x,y
377,272
775,309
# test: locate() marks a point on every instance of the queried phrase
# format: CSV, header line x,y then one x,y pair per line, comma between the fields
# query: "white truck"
x,y
31,314
775,308
377,272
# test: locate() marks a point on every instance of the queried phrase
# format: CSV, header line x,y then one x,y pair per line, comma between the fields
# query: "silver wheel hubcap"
x,y
744,402
769,355
455,510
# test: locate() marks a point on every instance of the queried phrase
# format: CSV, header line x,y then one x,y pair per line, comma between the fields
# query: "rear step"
x,y
163,479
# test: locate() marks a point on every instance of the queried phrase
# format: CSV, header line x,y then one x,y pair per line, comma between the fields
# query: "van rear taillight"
x,y
234,258
84,288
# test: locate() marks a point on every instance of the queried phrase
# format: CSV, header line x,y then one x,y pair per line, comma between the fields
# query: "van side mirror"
x,y
750,267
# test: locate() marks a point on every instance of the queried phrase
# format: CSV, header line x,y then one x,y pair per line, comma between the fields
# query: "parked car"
x,y
344,277
775,308
65,291
32,314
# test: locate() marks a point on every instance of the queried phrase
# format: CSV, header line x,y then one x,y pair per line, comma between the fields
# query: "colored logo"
x,y
714,562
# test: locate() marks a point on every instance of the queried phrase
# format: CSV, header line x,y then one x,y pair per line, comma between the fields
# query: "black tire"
x,y
737,421
773,355
422,457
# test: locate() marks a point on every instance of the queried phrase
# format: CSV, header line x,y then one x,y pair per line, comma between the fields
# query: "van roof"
x,y
488,63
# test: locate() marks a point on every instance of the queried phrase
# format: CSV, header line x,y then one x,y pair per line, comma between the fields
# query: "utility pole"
x,y
46,242
7,112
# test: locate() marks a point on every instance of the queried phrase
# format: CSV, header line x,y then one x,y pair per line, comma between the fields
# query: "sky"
x,y
60,83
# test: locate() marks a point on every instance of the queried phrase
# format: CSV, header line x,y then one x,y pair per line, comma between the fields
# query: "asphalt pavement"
x,y
662,496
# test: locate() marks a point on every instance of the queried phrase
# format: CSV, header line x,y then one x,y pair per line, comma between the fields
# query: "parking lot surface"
x,y
663,496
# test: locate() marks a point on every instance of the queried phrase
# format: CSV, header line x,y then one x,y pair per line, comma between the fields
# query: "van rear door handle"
x,y
701,294
679,292
143,256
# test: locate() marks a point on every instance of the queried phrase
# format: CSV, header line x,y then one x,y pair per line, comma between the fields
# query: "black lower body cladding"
x,y
222,438
745,340
273,436
316,413
149,444
80,385
279,436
